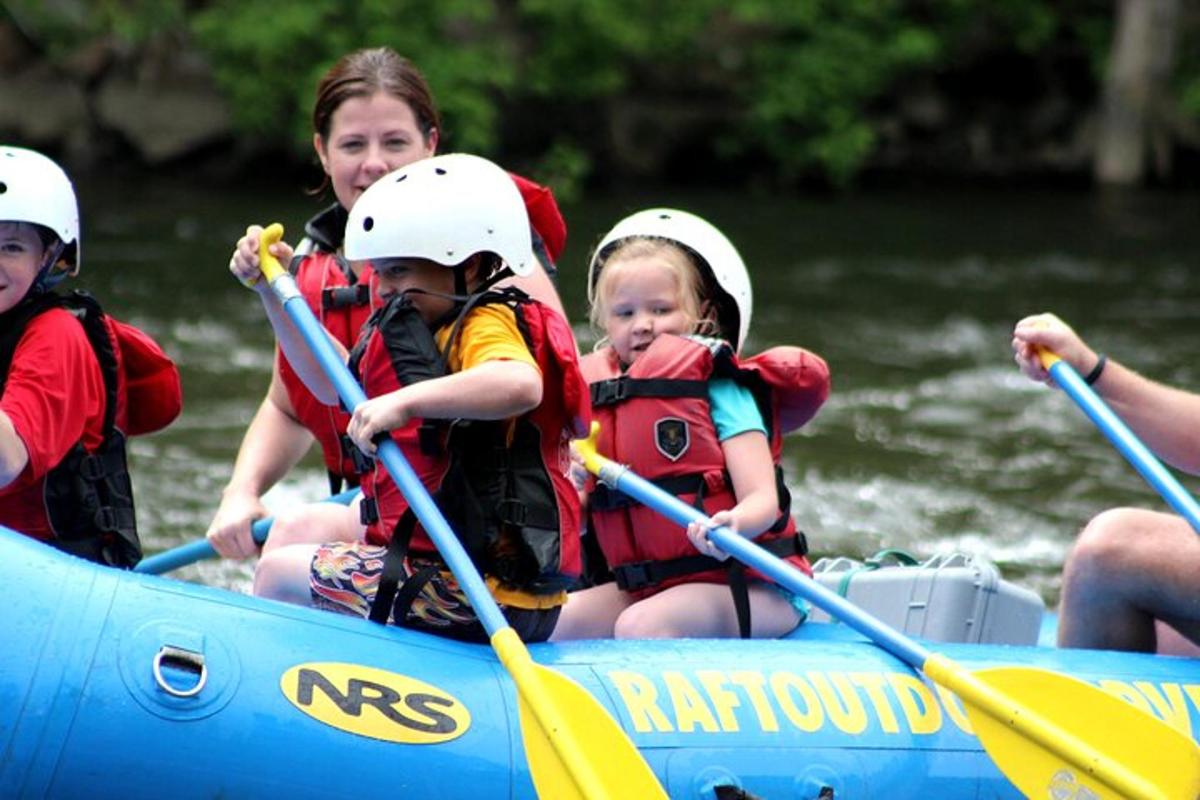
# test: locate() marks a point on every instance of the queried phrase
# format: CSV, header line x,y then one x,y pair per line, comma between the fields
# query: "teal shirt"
x,y
733,409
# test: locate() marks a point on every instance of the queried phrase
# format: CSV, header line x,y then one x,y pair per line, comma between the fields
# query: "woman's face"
x,y
368,138
21,255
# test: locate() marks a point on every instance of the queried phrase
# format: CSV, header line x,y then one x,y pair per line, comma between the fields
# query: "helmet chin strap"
x,y
462,295
47,278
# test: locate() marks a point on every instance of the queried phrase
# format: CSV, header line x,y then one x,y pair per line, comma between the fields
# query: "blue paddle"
x,y
1125,440
1081,734
192,552
573,747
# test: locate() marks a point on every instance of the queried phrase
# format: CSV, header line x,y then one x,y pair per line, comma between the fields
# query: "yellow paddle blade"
x,y
1092,742
574,748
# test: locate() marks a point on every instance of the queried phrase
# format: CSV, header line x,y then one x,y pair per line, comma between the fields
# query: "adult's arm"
x,y
274,442
1166,419
13,455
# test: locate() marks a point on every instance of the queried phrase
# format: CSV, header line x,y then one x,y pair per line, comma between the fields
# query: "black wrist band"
x,y
1094,375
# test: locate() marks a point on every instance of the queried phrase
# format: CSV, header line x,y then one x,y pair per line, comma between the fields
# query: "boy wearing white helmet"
x,y
480,389
676,404
65,368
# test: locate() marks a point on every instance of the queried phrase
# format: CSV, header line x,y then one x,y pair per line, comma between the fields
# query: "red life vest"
x,y
488,478
655,417
325,281
549,228
88,496
343,307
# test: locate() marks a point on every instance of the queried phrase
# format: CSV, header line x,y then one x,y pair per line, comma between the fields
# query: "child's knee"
x,y
285,530
278,577
307,524
638,622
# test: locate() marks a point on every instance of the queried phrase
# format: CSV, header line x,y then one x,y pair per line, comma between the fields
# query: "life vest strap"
x,y
337,297
644,574
393,573
339,483
615,390
605,498
368,511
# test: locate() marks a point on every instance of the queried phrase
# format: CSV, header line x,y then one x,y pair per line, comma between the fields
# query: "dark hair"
x,y
365,72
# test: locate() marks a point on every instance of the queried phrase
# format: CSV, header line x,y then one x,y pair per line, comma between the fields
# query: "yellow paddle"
x,y
1080,739
573,747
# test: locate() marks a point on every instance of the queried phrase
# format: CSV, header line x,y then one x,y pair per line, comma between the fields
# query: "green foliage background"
x,y
798,84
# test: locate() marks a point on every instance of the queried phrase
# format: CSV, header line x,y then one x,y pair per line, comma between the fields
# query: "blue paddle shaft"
x,y
201,549
780,571
1127,442
389,453
192,552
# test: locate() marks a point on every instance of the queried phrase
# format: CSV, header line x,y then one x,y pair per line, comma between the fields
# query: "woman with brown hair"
x,y
373,113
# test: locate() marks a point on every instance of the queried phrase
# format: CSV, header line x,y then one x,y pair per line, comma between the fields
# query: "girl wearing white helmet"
x,y
676,405
65,398
480,389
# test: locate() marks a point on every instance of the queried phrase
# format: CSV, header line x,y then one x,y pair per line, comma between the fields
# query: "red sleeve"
x,y
54,392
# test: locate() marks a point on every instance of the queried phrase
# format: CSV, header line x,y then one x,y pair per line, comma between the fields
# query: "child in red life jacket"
x,y
679,407
479,387
73,381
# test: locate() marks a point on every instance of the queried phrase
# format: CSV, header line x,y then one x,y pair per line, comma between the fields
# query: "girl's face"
x,y
643,302
368,138
21,256
399,275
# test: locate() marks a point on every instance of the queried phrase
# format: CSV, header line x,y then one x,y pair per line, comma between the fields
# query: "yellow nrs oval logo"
x,y
375,703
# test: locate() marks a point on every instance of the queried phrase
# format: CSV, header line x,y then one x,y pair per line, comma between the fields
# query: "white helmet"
x,y
34,189
445,209
718,259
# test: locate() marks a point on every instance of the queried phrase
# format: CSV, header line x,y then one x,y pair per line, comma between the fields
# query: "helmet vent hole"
x,y
368,223
440,171
3,187
490,230
402,177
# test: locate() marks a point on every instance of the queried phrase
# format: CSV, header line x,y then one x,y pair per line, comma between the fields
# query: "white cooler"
x,y
954,597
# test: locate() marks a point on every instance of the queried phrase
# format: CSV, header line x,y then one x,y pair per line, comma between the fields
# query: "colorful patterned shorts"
x,y
344,577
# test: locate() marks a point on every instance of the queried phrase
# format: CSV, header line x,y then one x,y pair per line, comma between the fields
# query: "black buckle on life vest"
x,y
105,519
368,511
429,438
511,511
360,460
613,390
91,467
335,297
606,498
630,577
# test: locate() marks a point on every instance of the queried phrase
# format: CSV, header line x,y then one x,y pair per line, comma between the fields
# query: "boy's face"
x,y
400,275
21,255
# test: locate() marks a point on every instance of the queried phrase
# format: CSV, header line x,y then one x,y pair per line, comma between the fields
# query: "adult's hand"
x,y
229,533
1048,331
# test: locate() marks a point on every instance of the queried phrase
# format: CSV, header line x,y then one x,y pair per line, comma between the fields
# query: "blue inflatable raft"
x,y
116,684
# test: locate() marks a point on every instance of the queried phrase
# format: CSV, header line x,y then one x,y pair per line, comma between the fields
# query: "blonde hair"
x,y
690,289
